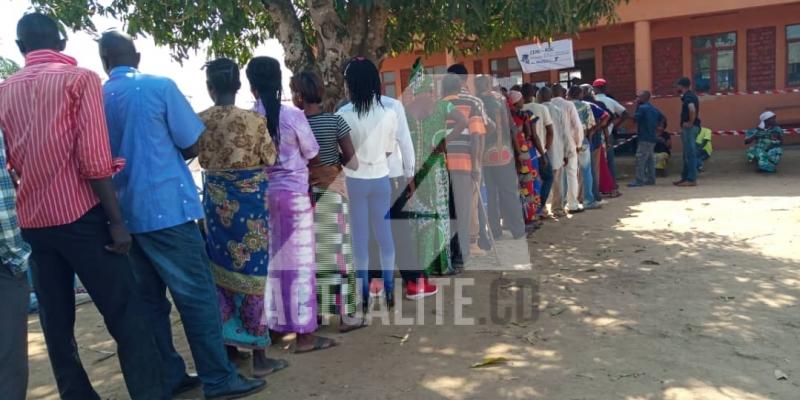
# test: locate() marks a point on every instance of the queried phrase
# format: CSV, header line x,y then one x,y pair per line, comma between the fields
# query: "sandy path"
x,y
664,294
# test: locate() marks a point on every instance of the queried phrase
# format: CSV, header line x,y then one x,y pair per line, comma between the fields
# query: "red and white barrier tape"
x,y
724,94
792,131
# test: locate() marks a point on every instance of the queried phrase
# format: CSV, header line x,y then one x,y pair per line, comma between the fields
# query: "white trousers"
x,y
566,186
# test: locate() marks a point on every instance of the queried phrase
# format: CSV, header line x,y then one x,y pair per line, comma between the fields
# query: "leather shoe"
x,y
238,387
188,383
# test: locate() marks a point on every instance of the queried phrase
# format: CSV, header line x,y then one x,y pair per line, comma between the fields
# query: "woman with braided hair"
x,y
290,298
373,130
234,150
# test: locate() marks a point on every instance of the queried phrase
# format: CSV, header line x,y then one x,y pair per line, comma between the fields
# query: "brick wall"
x,y
619,69
761,58
541,76
667,64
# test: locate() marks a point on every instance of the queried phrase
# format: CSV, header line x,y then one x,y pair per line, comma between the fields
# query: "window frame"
x,y
393,83
713,52
503,70
789,43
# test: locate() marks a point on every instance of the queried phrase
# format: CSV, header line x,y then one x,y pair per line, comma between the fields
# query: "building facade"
x,y
743,57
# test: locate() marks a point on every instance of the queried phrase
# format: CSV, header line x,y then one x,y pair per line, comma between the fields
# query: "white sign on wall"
x,y
546,56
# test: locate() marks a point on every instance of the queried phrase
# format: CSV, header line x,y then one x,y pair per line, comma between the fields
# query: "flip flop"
x,y
320,343
276,365
343,328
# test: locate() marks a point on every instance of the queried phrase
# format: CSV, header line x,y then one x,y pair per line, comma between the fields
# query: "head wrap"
x,y
515,96
600,82
764,117
420,82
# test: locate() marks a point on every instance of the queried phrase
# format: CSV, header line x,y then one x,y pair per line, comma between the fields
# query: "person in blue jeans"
x,y
153,127
647,120
373,130
704,148
14,258
690,127
591,126
602,117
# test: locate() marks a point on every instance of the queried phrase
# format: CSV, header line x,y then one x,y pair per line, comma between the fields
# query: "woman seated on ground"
x,y
663,148
768,138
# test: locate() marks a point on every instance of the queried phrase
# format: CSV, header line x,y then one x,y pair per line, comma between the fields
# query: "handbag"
x,y
498,155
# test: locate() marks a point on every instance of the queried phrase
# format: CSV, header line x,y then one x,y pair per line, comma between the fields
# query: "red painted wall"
x,y
619,69
761,58
667,64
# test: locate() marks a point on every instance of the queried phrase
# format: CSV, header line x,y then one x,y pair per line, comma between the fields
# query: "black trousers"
x,y
13,335
461,186
59,252
405,246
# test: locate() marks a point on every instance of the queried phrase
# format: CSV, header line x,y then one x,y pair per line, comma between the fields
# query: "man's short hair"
x,y
451,84
458,69
684,82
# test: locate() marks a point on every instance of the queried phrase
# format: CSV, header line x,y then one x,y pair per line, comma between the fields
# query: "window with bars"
x,y
793,55
714,62
507,71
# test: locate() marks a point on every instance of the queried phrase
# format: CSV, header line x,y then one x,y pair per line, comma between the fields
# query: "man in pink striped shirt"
x,y
57,141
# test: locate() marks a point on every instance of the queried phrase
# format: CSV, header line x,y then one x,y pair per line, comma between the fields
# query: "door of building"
x,y
584,70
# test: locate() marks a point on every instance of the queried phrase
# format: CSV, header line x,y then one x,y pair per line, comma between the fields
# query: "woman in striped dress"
x,y
336,278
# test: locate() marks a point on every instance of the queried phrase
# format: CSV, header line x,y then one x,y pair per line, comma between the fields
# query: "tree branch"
x,y
289,30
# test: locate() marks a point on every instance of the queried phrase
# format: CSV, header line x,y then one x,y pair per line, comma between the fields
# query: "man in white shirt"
x,y
574,136
560,150
620,114
544,130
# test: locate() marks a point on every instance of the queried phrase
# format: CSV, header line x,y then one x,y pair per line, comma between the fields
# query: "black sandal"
x,y
320,343
276,365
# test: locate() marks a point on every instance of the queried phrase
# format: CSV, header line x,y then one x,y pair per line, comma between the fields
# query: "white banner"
x,y
546,56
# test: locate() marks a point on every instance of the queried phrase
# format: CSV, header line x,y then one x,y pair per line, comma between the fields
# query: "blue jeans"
x,y
645,163
14,335
612,164
370,200
689,140
596,175
175,259
585,167
546,173
702,156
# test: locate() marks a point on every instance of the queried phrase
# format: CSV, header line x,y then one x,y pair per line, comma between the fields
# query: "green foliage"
x,y
7,67
234,28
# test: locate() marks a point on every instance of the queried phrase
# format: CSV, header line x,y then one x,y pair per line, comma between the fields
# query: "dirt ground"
x,y
665,293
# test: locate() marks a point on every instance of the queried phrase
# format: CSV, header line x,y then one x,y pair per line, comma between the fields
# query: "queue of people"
x,y
305,214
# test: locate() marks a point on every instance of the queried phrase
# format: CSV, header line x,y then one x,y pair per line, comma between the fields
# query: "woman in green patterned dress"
x,y
427,120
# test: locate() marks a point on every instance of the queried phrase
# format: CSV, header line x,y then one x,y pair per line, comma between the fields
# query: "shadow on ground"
x,y
666,294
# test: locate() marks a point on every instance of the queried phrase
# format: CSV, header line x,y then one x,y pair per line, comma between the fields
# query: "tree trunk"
x,y
336,41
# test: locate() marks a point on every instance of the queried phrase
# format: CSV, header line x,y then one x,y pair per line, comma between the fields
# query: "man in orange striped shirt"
x,y
463,162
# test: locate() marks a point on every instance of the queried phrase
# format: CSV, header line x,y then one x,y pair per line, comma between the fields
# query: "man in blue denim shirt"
x,y
647,119
14,253
154,128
